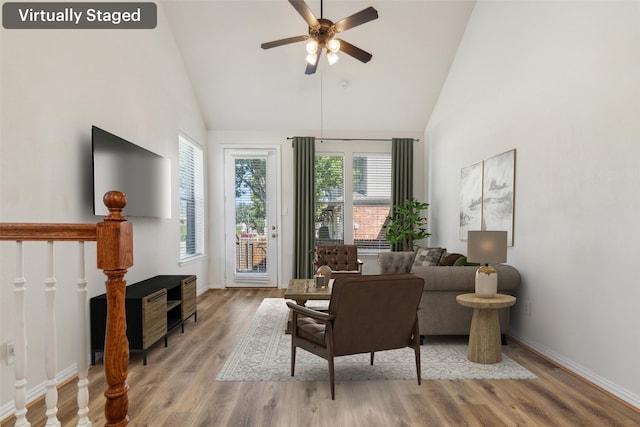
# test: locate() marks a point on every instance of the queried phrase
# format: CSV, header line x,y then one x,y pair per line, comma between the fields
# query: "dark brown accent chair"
x,y
366,314
342,259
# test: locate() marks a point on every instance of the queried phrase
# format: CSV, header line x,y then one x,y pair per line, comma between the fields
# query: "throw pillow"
x,y
449,259
427,256
462,261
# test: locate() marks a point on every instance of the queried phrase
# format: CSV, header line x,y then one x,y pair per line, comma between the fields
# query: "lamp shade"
x,y
487,247
311,46
333,45
311,59
332,57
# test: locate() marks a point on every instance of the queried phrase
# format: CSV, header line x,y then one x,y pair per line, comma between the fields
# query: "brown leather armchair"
x,y
366,314
342,259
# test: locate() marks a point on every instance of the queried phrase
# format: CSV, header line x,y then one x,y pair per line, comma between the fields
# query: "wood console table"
x,y
153,307
484,337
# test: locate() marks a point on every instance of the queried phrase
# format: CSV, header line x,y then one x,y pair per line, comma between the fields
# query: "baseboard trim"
x,y
38,392
612,390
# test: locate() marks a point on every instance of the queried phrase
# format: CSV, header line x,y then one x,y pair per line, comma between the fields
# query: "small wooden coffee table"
x,y
484,337
303,290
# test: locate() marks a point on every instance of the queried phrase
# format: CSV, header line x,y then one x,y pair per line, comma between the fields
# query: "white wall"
x,y
218,140
559,82
55,85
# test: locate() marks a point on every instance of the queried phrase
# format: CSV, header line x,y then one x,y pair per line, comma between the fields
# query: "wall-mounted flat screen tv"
x,y
143,176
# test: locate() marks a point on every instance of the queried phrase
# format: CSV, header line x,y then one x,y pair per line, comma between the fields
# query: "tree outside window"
x,y
368,202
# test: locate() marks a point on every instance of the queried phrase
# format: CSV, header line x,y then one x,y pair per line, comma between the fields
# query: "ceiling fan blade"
x,y
362,17
354,51
305,12
281,42
311,69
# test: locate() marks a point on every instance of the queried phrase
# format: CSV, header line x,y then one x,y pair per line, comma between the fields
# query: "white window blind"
x,y
371,199
191,199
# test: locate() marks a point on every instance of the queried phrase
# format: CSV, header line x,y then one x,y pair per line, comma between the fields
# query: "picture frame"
x,y
471,198
498,191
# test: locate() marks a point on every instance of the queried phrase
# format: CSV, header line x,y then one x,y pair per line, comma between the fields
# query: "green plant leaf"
x,y
407,224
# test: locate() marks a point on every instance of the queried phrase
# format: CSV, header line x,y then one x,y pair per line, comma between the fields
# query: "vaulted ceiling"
x,y
242,87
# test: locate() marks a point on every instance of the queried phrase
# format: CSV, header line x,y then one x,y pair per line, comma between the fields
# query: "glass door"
x,y
251,227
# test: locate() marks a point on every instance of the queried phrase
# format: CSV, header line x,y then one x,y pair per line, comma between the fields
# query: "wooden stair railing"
x,y
114,245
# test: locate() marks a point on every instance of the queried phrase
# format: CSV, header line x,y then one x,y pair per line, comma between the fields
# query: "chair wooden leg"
x,y
332,380
372,353
418,368
416,348
293,359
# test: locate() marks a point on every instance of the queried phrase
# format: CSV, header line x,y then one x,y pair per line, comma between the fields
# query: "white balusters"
x,y
83,343
51,341
49,328
20,340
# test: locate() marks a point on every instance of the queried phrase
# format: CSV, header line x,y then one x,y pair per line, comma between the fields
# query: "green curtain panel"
x,y
401,173
304,153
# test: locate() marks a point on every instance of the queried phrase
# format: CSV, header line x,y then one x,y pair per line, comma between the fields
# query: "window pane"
x,y
191,191
329,198
187,229
251,214
371,199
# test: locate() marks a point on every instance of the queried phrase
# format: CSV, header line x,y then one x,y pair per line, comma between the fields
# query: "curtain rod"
x,y
356,139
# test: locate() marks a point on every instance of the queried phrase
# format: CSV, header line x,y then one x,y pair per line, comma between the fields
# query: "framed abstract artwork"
x,y
498,191
470,199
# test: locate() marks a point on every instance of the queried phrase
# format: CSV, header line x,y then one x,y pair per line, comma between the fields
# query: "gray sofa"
x,y
438,312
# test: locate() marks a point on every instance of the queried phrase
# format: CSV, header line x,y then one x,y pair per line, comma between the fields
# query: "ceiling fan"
x,y
321,35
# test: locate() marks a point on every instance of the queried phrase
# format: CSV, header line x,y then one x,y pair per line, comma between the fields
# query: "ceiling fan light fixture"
x,y
312,46
321,32
332,57
333,45
311,58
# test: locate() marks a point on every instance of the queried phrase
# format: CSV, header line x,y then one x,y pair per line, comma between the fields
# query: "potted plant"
x,y
406,225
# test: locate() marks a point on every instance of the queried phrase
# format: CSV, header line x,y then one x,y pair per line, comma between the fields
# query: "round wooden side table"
x,y
484,336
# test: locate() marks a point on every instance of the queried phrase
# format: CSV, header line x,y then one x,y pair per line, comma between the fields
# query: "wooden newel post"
x,y
115,256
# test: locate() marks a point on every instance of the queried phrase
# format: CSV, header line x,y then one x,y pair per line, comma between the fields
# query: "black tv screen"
x,y
143,176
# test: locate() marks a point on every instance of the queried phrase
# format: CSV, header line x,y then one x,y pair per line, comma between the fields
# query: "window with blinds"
x,y
191,160
353,187
371,199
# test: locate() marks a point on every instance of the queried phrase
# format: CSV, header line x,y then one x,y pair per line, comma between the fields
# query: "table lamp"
x,y
487,247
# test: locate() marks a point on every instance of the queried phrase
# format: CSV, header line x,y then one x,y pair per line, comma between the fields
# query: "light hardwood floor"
x,y
177,388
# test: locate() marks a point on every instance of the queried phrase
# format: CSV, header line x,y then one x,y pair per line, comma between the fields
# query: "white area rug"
x,y
264,354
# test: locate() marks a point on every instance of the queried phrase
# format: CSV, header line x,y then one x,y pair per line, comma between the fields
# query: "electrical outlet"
x,y
11,353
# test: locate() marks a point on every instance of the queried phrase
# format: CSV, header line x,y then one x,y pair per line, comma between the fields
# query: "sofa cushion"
x,y
449,259
463,279
427,256
395,262
462,261
447,279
